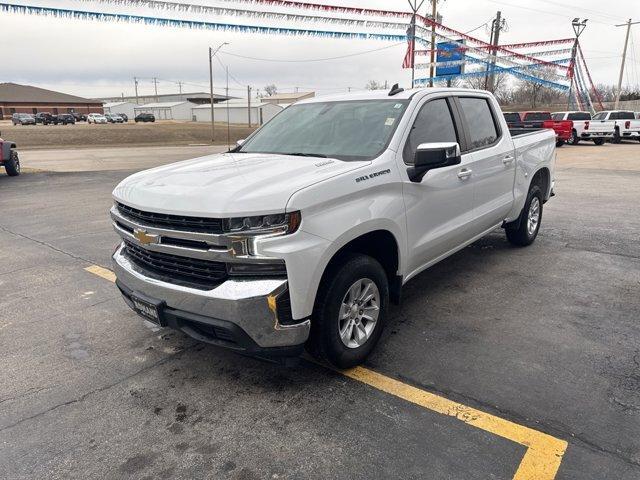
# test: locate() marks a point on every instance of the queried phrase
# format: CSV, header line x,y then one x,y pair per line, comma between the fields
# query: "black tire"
x,y
598,141
324,341
575,139
616,137
518,232
559,143
12,166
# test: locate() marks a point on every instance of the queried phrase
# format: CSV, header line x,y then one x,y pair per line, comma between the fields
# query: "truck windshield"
x,y
350,130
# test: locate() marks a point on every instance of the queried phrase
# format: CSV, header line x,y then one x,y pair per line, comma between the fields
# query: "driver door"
x,y
439,208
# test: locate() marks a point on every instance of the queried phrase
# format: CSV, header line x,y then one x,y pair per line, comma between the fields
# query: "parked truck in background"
x,y
304,233
584,128
624,122
529,120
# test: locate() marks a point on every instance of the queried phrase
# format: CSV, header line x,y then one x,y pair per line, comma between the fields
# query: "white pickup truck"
x,y
624,123
584,128
303,234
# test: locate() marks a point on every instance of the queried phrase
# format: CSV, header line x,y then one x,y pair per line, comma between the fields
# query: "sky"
x,y
95,59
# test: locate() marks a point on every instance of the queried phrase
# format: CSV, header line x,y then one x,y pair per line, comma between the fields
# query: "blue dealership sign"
x,y
450,52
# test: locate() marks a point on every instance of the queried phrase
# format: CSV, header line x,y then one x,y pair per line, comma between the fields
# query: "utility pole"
x,y
226,93
155,86
578,27
411,34
434,13
498,25
624,58
135,83
212,52
180,89
249,106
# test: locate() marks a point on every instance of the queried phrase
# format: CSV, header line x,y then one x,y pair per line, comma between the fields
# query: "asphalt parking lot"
x,y
501,363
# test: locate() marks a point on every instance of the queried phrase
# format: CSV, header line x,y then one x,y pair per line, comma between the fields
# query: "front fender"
x,y
6,150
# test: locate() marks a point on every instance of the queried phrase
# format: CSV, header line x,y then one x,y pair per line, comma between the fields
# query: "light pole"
x,y
578,27
212,53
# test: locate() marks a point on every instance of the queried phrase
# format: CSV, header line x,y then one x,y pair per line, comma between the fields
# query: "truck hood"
x,y
229,184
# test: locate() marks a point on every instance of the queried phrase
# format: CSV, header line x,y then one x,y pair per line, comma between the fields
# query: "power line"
x,y
546,12
276,60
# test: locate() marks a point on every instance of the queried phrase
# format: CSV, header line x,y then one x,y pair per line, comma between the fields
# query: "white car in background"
x,y
96,118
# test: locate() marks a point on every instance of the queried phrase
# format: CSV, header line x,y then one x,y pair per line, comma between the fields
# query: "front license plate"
x,y
149,309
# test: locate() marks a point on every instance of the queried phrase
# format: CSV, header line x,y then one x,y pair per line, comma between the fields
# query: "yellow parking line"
x,y
544,452
102,272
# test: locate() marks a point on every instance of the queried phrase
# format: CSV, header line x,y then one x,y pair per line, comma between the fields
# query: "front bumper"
x,y
235,314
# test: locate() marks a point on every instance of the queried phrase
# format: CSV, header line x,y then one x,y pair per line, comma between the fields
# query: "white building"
x,y
167,110
238,112
121,107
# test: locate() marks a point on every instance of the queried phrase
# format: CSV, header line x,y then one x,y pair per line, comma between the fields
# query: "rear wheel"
x,y
350,311
12,166
524,231
598,141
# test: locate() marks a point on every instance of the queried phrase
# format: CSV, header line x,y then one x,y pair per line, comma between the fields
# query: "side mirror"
x,y
433,155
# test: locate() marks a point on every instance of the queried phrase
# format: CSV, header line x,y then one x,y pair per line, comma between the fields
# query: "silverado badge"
x,y
145,238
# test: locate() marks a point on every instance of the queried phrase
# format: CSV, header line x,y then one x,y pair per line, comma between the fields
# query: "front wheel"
x,y
575,139
12,166
524,231
616,137
350,311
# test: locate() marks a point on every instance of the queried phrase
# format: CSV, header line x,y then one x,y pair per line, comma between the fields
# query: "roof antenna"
x,y
395,90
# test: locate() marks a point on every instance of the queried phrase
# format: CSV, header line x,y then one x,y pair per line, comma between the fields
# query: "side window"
x,y
434,123
479,122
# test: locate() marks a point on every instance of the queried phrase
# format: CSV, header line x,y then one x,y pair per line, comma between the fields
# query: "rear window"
x,y
512,117
537,116
600,116
480,122
559,116
623,116
579,116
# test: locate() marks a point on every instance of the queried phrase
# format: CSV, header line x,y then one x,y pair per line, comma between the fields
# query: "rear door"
x,y
491,159
439,208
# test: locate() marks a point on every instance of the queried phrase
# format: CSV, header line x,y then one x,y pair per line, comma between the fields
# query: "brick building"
x,y
15,98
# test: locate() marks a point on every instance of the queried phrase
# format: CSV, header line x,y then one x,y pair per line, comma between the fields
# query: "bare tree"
x,y
374,85
270,89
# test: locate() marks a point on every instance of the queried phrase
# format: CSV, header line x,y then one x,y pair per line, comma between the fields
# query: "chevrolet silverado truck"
x,y
624,123
303,234
584,128
528,120
9,158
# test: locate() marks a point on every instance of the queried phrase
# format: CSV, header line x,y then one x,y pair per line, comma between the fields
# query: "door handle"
x,y
507,160
464,173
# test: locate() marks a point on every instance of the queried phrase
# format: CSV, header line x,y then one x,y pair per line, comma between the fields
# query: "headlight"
x,y
279,223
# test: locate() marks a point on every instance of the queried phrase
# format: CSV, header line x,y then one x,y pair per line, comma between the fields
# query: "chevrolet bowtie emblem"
x,y
145,238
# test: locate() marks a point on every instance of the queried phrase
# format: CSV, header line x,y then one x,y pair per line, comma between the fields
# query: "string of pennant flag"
x,y
320,20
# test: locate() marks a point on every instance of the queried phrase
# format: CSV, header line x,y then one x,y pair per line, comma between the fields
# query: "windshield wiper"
x,y
301,154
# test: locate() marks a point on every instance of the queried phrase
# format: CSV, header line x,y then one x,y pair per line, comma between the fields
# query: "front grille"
x,y
192,272
174,222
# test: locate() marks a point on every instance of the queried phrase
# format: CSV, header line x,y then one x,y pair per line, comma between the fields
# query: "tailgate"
x,y
563,128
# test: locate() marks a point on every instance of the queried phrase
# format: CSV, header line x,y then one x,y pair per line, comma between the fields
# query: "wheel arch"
x,y
542,178
379,243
